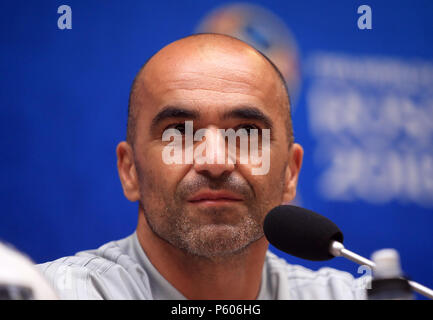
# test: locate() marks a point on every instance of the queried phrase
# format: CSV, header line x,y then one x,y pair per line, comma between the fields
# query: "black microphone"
x,y
301,232
309,235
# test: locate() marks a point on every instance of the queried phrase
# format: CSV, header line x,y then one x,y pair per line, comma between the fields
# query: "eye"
x,y
248,127
178,126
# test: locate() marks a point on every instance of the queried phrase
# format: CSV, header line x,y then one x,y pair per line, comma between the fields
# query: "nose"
x,y
212,156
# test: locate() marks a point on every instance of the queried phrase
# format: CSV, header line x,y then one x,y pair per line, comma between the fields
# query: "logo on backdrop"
x,y
264,31
372,119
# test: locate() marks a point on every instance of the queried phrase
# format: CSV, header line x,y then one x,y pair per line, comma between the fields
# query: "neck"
x,y
234,277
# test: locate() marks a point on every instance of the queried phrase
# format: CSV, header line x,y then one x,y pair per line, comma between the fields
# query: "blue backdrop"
x,y
363,110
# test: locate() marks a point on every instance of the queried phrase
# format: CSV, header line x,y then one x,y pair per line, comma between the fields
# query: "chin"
x,y
219,240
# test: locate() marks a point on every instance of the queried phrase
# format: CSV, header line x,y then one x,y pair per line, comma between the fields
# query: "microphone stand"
x,y
337,249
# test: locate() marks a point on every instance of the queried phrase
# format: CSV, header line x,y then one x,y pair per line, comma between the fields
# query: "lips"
x,y
215,196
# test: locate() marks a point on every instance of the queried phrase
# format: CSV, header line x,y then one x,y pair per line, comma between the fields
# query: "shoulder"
x,y
298,282
104,273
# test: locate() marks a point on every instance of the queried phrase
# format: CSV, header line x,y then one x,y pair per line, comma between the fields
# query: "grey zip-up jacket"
x,y
121,270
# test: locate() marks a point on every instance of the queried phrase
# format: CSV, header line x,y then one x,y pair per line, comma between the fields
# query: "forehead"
x,y
210,77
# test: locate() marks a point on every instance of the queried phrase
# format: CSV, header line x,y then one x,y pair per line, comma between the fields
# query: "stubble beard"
x,y
210,233
208,240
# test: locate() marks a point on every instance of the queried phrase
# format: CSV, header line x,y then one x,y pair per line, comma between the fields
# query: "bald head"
x,y
212,55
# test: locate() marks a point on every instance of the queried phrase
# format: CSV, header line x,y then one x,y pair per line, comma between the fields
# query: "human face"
x,y
210,209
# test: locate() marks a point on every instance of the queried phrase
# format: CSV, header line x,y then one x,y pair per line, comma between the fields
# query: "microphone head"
x,y
301,232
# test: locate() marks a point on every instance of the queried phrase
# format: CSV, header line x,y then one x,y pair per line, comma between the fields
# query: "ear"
x,y
294,164
127,171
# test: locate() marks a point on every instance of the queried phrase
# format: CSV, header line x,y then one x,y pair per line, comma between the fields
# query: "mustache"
x,y
231,183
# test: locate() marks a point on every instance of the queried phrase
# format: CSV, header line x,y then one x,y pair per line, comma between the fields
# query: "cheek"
x,y
157,179
269,187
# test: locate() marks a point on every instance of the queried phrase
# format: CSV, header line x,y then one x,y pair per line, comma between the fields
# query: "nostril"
x,y
213,170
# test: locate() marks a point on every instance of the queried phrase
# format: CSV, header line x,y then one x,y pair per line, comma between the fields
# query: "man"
x,y
199,232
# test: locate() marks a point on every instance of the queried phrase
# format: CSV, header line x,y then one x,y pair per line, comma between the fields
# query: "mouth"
x,y
214,198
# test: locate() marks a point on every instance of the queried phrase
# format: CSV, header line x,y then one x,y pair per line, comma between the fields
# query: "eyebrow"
x,y
249,113
245,112
171,112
